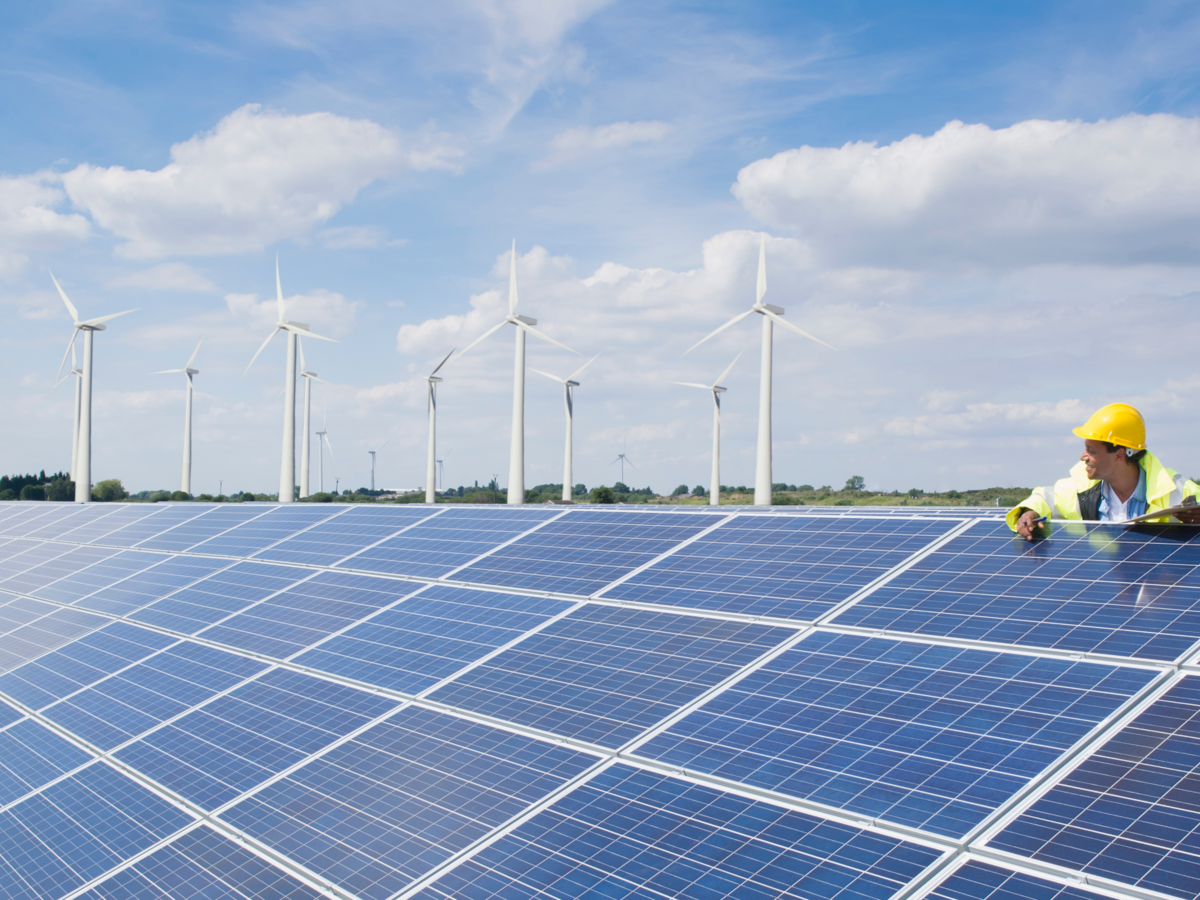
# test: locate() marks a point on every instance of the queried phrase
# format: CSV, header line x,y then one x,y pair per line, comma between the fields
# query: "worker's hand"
x,y
1025,526
1189,516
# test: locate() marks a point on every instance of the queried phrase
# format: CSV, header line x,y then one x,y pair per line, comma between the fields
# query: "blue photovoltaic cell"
x,y
452,539
121,707
201,865
12,548
41,635
31,755
584,550
117,517
979,881
167,516
60,521
8,715
217,596
99,575
308,612
1096,588
796,568
33,554
80,663
68,563
33,517
606,674
223,749
78,829
429,637
17,611
216,520
934,737
143,588
1128,812
279,523
325,544
630,833
379,811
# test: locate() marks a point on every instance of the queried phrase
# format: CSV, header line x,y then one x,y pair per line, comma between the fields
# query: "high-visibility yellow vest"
x,y
1164,488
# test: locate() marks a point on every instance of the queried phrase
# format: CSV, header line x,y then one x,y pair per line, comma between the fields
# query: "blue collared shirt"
x,y
1134,506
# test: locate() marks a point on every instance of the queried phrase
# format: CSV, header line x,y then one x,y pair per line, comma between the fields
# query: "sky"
x,y
989,211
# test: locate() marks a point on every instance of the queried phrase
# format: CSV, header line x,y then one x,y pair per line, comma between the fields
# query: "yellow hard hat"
x,y
1117,423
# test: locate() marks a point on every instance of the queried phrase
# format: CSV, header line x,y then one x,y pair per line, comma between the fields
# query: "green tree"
x,y
679,491
856,483
7,494
179,496
699,491
60,490
109,491
603,494
620,488
33,492
579,490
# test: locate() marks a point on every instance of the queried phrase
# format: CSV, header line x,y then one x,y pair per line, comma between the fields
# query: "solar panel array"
x,y
263,702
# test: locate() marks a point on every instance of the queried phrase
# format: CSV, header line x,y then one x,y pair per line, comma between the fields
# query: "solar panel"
x,y
260,702
1096,588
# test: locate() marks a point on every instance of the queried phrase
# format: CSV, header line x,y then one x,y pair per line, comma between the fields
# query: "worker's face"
x,y
1100,463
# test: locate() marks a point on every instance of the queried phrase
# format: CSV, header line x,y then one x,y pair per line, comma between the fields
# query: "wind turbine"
x,y
373,452
568,384
287,467
770,314
714,494
185,482
82,468
431,382
322,443
78,373
442,468
309,378
516,456
622,458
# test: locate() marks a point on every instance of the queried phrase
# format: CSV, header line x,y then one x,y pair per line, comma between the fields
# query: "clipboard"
x,y
1161,513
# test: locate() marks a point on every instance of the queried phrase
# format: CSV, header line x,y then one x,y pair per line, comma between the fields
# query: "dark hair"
x,y
1132,457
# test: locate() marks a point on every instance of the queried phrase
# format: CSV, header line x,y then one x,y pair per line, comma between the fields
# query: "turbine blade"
x,y
278,289
300,332
315,378
70,306
547,374
728,370
70,347
168,371
192,359
732,321
487,333
579,371
329,445
537,333
512,281
630,461
442,363
703,387
801,332
300,347
74,365
100,319
261,349
761,288
191,386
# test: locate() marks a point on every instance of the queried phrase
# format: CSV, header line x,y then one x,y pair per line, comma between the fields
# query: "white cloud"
x,y
1125,191
257,178
327,313
164,277
29,221
357,237
584,141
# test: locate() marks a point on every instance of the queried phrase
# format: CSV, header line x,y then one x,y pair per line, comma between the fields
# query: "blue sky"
x,y
986,284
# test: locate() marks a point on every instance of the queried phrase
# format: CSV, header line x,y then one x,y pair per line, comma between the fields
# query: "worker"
x,y
1116,478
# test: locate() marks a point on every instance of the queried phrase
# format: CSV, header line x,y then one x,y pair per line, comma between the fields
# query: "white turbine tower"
x,y
714,494
373,452
78,373
516,457
568,383
309,378
431,382
185,482
770,314
287,467
322,443
81,470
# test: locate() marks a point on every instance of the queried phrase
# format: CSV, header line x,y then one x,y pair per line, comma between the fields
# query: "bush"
x,y
786,500
7,494
603,494
109,491
33,492
320,497
680,491
60,490
205,498
844,503
180,496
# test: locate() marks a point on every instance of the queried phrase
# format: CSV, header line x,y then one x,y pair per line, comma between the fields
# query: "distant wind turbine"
x,y
322,443
442,469
185,482
770,314
569,384
714,494
431,383
373,452
622,458
309,378
78,373
82,470
516,456
287,466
